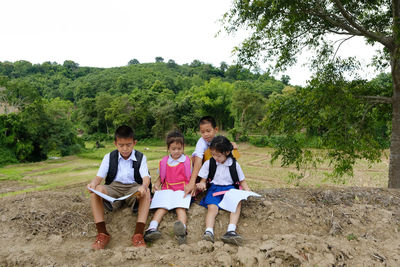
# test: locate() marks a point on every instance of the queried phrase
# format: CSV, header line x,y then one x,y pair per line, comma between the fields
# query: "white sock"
x,y
231,227
184,225
210,230
153,225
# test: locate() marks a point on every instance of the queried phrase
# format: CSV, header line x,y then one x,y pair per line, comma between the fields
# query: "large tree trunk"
x,y
394,165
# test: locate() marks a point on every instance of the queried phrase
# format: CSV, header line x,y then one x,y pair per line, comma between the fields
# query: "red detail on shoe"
x,y
101,241
138,241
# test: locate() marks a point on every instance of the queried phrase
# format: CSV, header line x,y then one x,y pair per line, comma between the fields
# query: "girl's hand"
x,y
244,185
201,186
157,186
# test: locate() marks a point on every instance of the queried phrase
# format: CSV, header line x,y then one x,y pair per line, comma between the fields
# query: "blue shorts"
x,y
210,199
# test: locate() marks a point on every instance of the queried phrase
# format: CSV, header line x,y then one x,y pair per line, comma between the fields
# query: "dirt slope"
x,y
286,227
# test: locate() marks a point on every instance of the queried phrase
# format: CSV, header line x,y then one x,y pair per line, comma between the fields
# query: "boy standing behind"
x,y
208,130
121,178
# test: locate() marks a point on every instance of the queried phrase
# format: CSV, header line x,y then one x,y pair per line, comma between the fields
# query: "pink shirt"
x,y
175,177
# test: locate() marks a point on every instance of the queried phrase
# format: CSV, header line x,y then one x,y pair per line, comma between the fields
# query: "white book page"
x,y
233,197
111,199
169,199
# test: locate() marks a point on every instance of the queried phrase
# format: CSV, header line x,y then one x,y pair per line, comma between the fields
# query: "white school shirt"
x,y
125,172
172,162
201,146
222,175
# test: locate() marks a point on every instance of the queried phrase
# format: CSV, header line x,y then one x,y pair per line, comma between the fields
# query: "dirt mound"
x,y
285,227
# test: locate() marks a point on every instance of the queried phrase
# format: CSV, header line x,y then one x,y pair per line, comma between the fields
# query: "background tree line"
x,y
45,106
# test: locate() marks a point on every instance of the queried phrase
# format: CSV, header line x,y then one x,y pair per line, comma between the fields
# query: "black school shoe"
x,y
233,238
152,235
180,232
208,236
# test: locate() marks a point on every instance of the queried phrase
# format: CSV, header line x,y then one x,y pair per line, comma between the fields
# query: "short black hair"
x,y
208,119
124,131
175,136
222,145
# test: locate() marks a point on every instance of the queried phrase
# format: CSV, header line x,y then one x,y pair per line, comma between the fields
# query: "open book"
x,y
169,199
233,197
111,199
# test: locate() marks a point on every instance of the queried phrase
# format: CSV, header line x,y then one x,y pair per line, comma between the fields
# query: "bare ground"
x,y
330,226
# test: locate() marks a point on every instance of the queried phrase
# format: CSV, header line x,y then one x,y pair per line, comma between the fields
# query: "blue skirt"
x,y
210,199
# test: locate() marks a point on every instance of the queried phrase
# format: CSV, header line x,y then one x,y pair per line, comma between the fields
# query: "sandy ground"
x,y
285,227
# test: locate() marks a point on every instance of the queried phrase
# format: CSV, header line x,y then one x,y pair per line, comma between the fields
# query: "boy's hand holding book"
x,y
142,190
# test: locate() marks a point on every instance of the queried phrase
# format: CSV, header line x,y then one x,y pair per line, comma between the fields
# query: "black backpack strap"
x,y
112,167
234,174
212,168
136,167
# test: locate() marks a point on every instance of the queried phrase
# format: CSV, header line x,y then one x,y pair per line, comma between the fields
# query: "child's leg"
x,y
212,211
181,214
96,203
144,205
180,226
158,215
143,212
152,234
231,236
234,217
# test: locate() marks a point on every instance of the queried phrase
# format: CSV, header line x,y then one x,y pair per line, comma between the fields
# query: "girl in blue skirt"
x,y
222,173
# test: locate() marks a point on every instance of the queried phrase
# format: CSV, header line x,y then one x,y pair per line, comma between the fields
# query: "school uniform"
x,y
124,182
201,146
222,180
176,175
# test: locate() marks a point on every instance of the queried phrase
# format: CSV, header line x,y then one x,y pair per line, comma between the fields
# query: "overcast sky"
x,y
101,33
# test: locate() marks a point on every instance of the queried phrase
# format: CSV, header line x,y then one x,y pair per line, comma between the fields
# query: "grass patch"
x,y
351,237
255,162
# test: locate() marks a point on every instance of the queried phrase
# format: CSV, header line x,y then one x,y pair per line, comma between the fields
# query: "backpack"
x,y
113,167
232,170
163,168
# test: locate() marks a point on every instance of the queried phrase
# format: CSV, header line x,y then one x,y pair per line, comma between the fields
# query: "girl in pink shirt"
x,y
175,172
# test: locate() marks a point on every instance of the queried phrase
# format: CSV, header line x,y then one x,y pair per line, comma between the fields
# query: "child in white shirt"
x,y
222,180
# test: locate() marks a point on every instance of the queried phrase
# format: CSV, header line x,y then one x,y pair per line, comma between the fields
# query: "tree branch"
x,y
350,19
342,41
377,99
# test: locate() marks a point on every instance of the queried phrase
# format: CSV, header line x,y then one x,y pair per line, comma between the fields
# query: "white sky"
x,y
101,33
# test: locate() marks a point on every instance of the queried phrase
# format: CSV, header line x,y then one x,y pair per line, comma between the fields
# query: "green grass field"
x,y
255,162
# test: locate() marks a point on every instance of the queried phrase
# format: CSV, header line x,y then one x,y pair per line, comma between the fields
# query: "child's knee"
x,y
145,197
213,208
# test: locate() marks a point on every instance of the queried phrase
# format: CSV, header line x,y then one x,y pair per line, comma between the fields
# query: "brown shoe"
x,y
101,241
138,241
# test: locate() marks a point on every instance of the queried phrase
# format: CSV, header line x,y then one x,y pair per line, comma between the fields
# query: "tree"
x,y
247,106
280,29
159,59
223,66
163,112
133,62
285,79
214,98
172,64
71,65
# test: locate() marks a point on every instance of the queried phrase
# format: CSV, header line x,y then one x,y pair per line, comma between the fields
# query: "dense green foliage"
x,y
334,110
350,117
45,105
